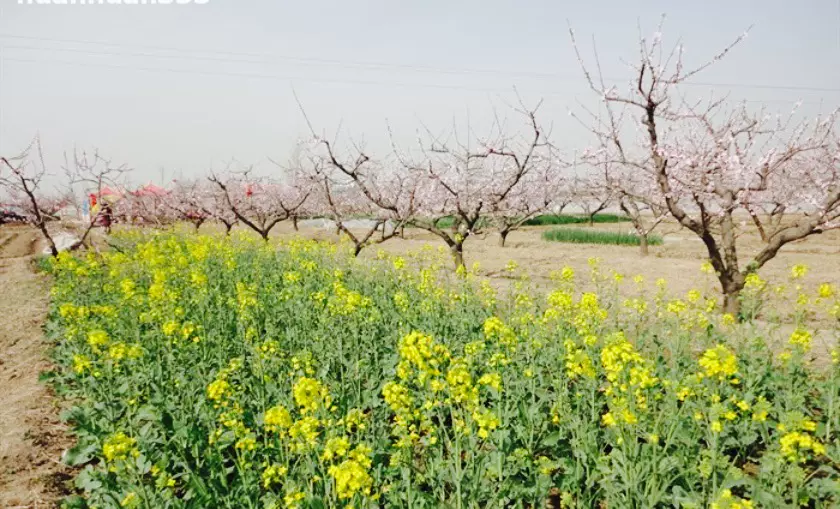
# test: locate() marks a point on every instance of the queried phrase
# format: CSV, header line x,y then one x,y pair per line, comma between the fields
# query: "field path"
x,y
31,435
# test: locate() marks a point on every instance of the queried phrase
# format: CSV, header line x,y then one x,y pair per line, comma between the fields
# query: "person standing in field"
x,y
107,218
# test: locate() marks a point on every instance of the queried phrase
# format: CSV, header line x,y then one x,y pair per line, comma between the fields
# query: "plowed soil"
x,y
32,437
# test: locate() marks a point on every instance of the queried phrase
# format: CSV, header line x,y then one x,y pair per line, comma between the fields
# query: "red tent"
x,y
106,195
109,193
150,190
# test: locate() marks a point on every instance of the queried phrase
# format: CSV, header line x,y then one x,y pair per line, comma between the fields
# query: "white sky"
x,y
182,88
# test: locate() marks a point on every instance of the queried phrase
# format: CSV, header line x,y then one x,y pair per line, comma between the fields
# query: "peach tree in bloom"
x,y
23,190
465,183
369,201
261,203
719,168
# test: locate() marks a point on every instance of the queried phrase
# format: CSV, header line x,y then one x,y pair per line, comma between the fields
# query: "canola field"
x,y
203,371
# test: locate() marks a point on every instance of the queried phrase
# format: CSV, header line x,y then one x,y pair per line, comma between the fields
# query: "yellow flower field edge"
x,y
212,372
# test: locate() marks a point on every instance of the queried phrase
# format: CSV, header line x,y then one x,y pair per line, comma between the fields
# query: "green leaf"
x,y
552,438
316,503
87,480
79,454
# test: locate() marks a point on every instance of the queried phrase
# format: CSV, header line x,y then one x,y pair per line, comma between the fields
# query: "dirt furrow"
x,y
32,437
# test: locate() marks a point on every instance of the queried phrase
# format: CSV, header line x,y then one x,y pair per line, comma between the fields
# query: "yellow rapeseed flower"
x,y
81,363
493,380
486,421
355,420
336,447
130,500
217,390
826,291
798,271
304,433
119,446
292,499
97,339
351,475
795,446
310,395
277,419
801,339
719,362
727,500
273,474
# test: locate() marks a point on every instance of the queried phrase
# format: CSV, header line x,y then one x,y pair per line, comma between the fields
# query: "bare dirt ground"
x,y
31,436
677,260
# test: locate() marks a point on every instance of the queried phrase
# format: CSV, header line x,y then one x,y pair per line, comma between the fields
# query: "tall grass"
x,y
448,221
557,219
577,236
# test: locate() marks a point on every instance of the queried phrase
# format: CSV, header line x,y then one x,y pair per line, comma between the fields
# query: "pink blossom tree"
x,y
149,205
592,193
261,203
719,167
219,210
463,182
645,214
630,190
192,201
199,201
360,188
22,180
94,174
541,191
22,186
453,186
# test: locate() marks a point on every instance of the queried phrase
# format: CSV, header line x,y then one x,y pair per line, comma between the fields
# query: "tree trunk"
x,y
592,219
357,250
731,288
295,223
732,303
760,227
402,231
643,245
458,254
264,235
48,237
632,211
503,237
228,228
198,224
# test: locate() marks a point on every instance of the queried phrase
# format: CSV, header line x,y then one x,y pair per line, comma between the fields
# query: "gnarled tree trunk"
x,y
643,244
503,237
731,296
457,250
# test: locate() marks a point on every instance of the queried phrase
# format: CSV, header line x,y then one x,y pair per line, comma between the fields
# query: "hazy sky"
x,y
186,87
